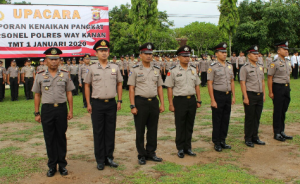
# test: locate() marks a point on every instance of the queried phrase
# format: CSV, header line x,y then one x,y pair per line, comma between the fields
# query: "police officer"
x,y
295,64
125,72
13,79
54,87
2,81
204,65
62,66
279,89
183,83
268,60
253,89
240,61
41,67
82,74
222,94
232,60
145,83
167,66
74,69
106,81
28,76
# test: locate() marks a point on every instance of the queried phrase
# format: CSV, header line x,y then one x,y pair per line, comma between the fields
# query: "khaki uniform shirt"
x,y
28,71
233,59
2,71
241,60
131,64
53,89
74,69
168,65
103,80
125,64
221,76
13,71
40,68
64,67
268,61
204,65
82,72
260,61
253,77
145,80
183,82
280,70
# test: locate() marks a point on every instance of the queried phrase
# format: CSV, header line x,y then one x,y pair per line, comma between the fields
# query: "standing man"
x,y
13,79
232,60
295,64
204,65
41,66
28,76
82,74
74,69
22,77
54,87
167,67
2,81
222,94
268,60
241,60
125,72
279,89
183,83
106,81
253,89
145,83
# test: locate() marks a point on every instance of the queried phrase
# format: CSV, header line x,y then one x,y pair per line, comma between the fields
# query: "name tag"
x,y
46,80
96,74
179,75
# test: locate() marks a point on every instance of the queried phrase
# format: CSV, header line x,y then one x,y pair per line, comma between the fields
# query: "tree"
x,y
229,18
23,2
144,15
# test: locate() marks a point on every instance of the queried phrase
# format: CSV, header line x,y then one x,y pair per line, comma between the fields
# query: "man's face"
x,y
221,55
41,63
13,64
122,58
234,55
184,59
68,62
168,59
146,57
52,63
73,61
126,57
269,54
259,55
114,60
132,58
253,57
28,63
102,54
283,52
86,60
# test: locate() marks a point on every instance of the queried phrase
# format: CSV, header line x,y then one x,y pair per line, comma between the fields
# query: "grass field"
x,y
15,166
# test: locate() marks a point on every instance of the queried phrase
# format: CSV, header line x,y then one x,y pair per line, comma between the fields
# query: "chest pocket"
x,y
281,68
155,78
61,83
252,73
46,84
140,79
220,73
97,78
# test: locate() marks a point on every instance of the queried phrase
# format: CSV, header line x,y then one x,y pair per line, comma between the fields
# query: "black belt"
x,y
104,100
286,84
55,104
255,93
13,77
222,92
188,97
148,99
28,77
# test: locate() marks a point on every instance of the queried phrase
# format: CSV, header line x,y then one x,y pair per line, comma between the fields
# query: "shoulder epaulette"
x,y
193,66
213,64
228,62
41,71
260,64
64,70
156,66
173,67
135,66
274,60
245,64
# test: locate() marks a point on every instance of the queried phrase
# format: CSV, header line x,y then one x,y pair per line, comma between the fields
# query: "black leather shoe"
x,y
259,142
100,166
189,152
180,154
51,172
110,162
155,158
249,144
142,161
286,136
279,137
225,146
63,171
218,148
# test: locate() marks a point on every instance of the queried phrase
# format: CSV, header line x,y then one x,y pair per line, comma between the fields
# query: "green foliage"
x,y
144,15
23,2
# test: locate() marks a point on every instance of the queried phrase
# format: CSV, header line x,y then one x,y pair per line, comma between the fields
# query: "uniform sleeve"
x,y
8,71
22,70
169,82
160,81
69,85
243,73
36,88
210,74
88,78
198,82
119,76
33,69
79,75
272,69
132,78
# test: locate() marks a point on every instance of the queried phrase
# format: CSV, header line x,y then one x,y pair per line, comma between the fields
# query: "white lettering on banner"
x,y
35,28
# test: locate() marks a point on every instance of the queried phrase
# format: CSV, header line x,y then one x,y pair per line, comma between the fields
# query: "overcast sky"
x,y
192,10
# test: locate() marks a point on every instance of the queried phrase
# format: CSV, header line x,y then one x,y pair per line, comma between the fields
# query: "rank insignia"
x,y
209,70
61,74
260,68
193,72
113,70
46,77
229,67
272,65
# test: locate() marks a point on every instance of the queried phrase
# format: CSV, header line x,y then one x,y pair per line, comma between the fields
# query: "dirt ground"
x,y
275,160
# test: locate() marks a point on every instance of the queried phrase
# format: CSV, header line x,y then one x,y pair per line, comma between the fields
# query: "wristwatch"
x,y
200,102
36,113
132,106
120,101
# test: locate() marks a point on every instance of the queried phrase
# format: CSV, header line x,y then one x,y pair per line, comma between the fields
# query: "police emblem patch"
x,y
186,49
272,65
103,43
149,47
53,52
209,70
